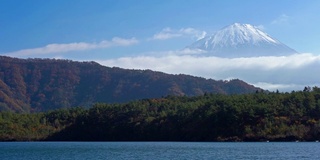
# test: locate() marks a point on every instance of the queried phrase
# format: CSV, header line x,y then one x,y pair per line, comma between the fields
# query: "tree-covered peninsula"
x,y
260,116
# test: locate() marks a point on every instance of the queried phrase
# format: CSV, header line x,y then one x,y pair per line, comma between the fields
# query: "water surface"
x,y
158,150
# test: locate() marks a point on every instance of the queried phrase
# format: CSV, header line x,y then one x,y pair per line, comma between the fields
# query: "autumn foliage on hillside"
x,y
33,85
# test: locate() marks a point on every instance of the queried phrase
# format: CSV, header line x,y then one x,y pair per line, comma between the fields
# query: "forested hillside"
x,y
211,117
33,85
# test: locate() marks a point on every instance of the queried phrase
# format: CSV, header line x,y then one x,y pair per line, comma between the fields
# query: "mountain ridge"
x,y
241,40
34,85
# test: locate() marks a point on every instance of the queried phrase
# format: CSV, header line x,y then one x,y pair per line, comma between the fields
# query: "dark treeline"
x,y
211,117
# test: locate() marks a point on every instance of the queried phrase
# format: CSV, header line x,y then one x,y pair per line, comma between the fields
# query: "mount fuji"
x,y
241,40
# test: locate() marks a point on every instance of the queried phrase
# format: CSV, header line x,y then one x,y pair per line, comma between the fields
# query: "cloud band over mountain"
x,y
285,73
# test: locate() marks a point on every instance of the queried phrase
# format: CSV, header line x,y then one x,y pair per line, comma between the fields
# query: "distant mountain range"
x,y
241,40
32,85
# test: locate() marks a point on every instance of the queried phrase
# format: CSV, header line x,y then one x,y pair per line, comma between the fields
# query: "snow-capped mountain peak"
x,y
241,40
242,33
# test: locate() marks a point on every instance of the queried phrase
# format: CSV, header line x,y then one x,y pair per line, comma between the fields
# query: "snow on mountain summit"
x,y
241,33
241,40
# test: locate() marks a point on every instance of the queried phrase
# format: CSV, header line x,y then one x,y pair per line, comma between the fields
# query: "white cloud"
x,y
283,73
282,19
186,51
116,41
77,46
261,27
284,87
168,33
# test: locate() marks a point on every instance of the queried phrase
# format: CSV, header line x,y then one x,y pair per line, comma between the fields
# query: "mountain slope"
x,y
241,40
43,84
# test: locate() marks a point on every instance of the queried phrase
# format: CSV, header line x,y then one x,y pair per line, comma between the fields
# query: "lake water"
x,y
158,150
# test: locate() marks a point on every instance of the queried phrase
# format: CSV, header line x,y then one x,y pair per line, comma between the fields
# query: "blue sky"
x,y
134,33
